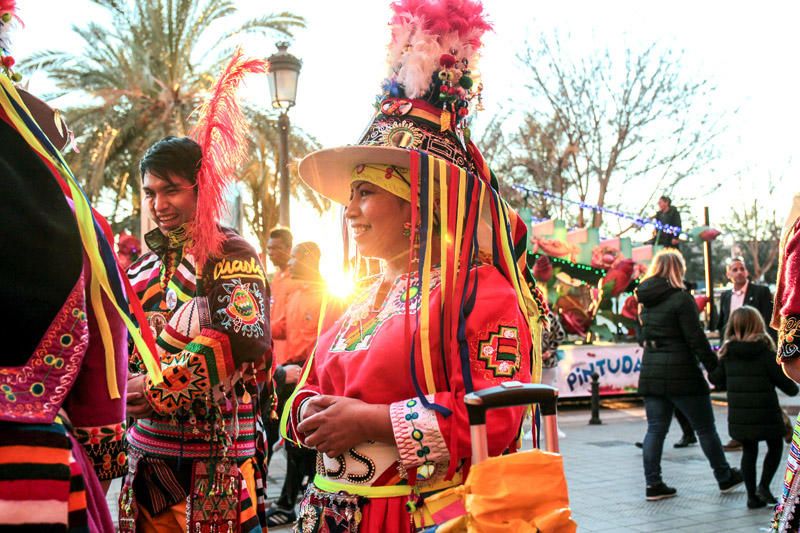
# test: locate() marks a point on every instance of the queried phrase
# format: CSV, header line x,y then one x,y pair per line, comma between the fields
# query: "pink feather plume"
x,y
221,132
443,16
422,30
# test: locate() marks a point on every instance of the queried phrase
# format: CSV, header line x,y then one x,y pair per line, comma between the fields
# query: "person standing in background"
x,y
671,378
297,327
744,293
667,215
748,371
279,247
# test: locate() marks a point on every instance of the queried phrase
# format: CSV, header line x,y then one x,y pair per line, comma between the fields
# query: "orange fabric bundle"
x,y
517,493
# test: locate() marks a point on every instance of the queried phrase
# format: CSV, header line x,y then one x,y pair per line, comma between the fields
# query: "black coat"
x,y
758,296
749,371
672,218
674,342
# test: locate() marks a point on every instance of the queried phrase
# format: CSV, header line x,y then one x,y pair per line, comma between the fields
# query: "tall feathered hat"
x,y
420,124
109,290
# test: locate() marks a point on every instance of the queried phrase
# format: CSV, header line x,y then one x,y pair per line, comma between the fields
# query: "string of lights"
x,y
639,221
585,273
559,261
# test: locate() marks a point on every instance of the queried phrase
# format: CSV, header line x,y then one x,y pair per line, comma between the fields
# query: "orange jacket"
x,y
280,285
297,325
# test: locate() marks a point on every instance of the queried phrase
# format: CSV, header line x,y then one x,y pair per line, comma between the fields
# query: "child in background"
x,y
749,371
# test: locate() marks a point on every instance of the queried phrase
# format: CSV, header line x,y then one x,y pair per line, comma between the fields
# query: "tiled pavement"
x,y
606,482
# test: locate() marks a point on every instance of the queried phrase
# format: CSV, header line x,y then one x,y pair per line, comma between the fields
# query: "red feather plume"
x,y
221,132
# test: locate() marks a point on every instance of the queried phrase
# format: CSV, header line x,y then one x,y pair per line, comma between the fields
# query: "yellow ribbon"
x,y
84,218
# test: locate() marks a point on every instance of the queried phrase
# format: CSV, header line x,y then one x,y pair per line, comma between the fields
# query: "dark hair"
x,y
173,155
666,199
283,234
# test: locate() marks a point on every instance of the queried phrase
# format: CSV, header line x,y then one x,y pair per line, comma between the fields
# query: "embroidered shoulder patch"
x,y
243,310
500,352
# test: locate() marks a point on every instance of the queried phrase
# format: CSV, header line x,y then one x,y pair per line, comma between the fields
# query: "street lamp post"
x,y
284,69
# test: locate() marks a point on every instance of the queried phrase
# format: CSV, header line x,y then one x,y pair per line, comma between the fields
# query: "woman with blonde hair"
x,y
747,367
671,378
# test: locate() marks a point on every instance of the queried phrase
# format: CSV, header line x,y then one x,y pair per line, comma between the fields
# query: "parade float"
x,y
589,282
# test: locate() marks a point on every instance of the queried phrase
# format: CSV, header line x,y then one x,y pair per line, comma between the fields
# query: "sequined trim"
x,y
34,392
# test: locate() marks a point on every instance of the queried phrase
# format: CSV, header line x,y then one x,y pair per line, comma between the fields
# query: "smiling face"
x,y
376,219
171,201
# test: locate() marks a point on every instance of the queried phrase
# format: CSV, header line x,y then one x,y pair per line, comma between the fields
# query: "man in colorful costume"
x,y
63,368
207,302
381,399
786,321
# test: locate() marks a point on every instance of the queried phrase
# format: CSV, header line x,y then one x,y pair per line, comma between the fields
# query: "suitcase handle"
x,y
510,394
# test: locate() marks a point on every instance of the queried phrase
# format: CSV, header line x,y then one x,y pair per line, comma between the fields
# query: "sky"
x,y
747,49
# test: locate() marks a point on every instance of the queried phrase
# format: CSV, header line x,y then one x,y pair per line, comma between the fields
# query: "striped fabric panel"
x,y
168,440
78,520
141,272
41,485
171,340
216,348
146,282
185,279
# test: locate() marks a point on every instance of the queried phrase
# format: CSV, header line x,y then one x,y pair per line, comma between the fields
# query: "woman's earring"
x,y
407,229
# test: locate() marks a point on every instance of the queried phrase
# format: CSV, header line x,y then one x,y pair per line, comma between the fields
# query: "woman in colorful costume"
x,y
206,298
63,369
381,399
786,321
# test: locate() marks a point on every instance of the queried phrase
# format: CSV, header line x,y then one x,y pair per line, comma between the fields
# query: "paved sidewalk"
x,y
606,480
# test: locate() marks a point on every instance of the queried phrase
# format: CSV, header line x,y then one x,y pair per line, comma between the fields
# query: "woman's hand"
x,y
334,424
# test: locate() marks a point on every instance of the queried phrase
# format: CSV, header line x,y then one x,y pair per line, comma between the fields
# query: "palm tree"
x,y
260,174
141,78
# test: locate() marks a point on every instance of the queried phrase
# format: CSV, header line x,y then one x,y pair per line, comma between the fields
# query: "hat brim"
x,y
46,117
329,171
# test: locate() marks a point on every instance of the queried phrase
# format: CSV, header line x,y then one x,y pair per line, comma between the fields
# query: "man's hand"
x,y
293,373
334,424
137,404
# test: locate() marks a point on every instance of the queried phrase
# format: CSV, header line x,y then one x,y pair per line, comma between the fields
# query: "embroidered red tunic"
x,y
365,355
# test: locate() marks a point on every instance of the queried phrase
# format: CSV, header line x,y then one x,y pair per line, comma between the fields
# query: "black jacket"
x,y
674,342
672,218
750,373
758,296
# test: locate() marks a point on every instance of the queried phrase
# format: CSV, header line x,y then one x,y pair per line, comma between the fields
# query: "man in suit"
x,y
743,293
